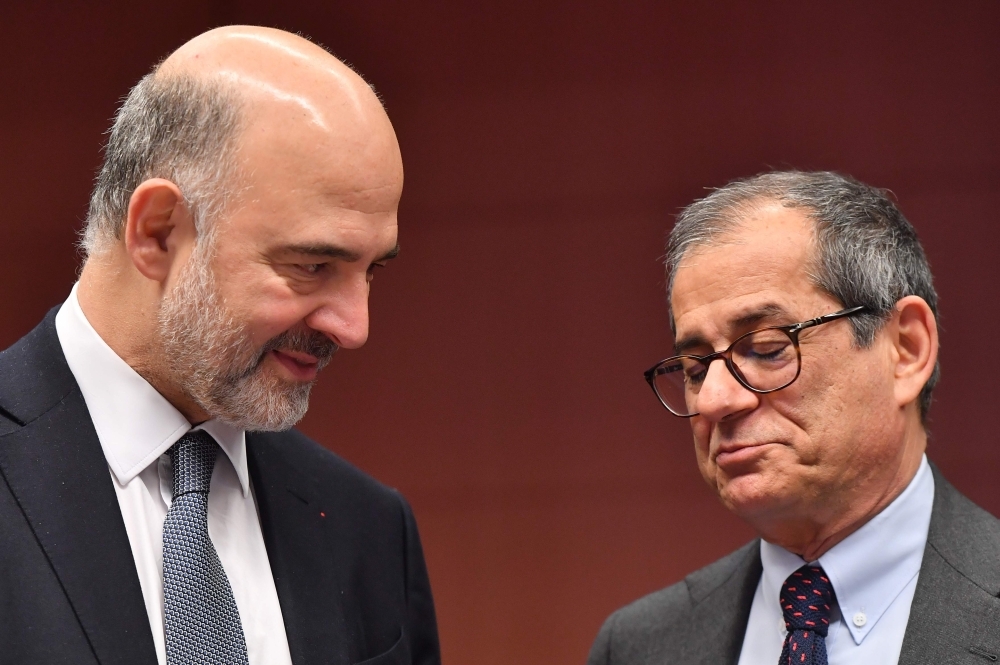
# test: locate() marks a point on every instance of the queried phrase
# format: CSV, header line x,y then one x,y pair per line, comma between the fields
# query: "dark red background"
x,y
547,146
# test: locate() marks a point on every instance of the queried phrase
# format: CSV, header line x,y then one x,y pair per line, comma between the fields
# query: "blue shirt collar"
x,y
874,564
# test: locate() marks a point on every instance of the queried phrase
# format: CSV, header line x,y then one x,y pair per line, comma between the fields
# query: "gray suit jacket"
x,y
955,616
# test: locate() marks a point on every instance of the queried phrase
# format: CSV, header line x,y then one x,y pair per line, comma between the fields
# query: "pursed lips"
x,y
737,452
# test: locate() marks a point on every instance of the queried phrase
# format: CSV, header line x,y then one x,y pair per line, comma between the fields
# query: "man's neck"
x,y
813,535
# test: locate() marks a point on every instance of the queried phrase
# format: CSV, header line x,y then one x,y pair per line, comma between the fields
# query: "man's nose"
x,y
343,315
722,396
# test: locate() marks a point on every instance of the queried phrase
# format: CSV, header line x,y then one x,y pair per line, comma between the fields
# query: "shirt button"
x,y
860,619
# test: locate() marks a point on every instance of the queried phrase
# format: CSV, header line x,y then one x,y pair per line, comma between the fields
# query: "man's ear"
x,y
915,340
159,224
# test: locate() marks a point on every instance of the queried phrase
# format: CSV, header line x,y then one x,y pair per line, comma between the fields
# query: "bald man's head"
x,y
249,191
184,121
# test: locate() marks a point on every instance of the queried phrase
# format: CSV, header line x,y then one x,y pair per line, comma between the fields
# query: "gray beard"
x,y
217,364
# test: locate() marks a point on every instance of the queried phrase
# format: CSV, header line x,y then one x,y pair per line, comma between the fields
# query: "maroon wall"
x,y
547,146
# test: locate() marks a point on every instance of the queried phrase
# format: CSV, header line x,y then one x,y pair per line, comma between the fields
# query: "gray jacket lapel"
x,y
955,616
721,608
699,620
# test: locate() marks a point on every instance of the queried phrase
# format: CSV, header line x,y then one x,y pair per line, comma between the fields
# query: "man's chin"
x,y
749,494
272,405
270,422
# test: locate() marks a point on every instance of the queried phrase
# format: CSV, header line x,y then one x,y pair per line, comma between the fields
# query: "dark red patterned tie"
x,y
806,599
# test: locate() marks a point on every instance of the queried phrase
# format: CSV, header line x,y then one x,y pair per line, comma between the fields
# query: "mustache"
x,y
315,344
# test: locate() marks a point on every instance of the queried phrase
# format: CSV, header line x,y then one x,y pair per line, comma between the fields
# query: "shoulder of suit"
x,y
317,467
34,376
7,424
965,535
670,607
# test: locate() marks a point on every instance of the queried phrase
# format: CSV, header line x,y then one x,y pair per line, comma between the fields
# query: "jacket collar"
x,y
34,375
721,597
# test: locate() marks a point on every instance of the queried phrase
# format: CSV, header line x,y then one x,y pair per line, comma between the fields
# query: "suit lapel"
x,y
955,615
721,610
55,467
291,521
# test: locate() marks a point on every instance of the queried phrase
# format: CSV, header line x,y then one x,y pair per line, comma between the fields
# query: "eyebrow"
x,y
757,314
329,251
391,254
743,321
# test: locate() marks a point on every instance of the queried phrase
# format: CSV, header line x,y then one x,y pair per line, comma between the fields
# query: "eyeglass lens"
x,y
765,360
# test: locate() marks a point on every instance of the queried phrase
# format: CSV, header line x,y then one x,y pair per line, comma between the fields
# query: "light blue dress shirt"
x,y
874,574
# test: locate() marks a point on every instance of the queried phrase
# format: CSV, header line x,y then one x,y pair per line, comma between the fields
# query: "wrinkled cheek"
x,y
702,448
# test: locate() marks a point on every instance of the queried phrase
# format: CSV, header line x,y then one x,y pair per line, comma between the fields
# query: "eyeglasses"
x,y
762,361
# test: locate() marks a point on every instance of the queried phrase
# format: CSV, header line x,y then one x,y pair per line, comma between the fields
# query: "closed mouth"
x,y
302,366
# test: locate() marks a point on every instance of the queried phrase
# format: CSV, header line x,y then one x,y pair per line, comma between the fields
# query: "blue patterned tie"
x,y
806,599
201,621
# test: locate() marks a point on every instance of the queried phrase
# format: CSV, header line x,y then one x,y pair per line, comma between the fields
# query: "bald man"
x,y
155,506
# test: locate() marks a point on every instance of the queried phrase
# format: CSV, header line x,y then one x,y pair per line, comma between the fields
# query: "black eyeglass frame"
x,y
792,330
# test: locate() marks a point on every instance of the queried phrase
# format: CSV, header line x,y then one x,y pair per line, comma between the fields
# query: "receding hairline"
x,y
187,124
731,220
258,55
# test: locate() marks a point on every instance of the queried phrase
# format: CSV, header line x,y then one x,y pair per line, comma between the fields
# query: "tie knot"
x,y
193,458
806,598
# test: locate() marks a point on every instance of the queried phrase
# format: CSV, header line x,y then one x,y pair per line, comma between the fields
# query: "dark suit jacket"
x,y
344,550
955,616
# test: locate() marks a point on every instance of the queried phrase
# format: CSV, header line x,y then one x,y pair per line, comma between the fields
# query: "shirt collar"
x,y
134,422
874,564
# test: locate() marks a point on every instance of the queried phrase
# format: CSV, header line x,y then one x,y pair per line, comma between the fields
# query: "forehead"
x,y
763,262
308,183
354,159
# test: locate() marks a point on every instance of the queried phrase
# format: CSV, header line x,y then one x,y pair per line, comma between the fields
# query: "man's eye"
x,y
695,376
310,268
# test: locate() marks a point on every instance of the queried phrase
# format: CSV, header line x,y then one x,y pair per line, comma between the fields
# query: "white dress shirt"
x,y
874,574
136,426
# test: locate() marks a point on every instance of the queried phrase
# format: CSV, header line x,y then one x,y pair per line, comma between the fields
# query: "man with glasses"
x,y
806,342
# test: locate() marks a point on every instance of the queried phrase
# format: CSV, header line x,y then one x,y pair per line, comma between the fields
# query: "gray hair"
x,y
171,126
867,252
